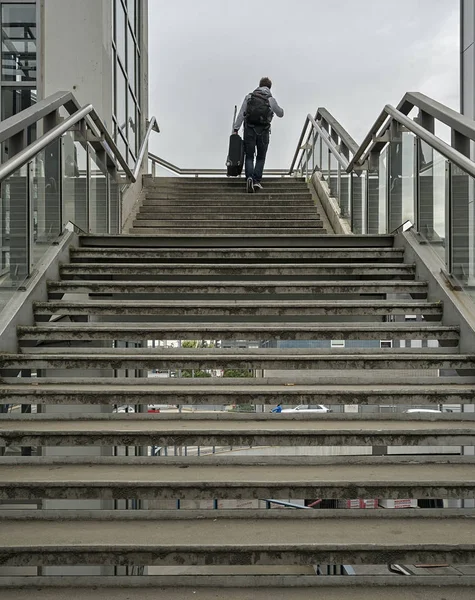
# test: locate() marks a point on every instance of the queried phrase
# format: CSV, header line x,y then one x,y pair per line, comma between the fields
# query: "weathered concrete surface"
x,y
241,269
207,230
308,287
46,358
219,540
321,587
239,308
256,391
140,430
288,241
238,331
160,480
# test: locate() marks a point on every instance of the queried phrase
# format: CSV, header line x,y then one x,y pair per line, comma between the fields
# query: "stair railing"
x,y
59,164
401,172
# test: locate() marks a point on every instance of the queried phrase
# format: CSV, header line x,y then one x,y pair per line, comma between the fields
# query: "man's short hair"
x,y
265,82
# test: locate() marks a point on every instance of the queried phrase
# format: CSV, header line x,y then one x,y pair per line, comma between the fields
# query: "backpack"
x,y
258,111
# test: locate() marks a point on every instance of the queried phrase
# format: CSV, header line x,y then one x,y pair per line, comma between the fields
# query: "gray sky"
x,y
350,56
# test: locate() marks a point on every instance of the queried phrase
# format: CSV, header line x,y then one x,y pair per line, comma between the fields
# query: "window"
x,y
18,42
386,344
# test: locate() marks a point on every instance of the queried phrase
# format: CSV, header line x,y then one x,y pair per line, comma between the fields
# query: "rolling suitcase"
x,y
235,160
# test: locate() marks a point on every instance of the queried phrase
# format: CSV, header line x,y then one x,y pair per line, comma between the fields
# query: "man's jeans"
x,y
255,139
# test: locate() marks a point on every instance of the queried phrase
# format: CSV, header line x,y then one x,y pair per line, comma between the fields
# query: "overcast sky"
x,y
350,56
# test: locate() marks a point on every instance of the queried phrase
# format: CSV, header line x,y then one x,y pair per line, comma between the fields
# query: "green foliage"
x,y
194,373
238,373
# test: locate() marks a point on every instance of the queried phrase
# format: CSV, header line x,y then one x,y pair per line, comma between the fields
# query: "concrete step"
x,y
240,270
378,389
158,478
60,331
239,287
327,255
247,203
198,214
206,231
313,242
230,224
225,537
254,587
269,358
228,195
249,207
239,308
239,429
149,180
235,587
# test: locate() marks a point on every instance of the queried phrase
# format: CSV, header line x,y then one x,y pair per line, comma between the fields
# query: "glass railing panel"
x,y
382,194
325,161
432,187
74,166
401,180
344,194
371,215
114,204
14,233
317,153
358,202
333,177
462,234
98,194
45,185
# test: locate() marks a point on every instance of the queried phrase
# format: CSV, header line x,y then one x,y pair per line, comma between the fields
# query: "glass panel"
x,y
45,192
12,102
98,200
114,205
120,24
325,161
75,181
462,224
131,10
131,59
401,180
18,42
383,192
122,146
318,153
333,181
344,194
131,122
358,195
432,192
371,215
121,93
14,233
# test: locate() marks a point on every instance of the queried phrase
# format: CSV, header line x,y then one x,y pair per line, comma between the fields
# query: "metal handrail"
x,y
171,167
462,161
345,137
341,158
152,126
24,156
22,120
374,140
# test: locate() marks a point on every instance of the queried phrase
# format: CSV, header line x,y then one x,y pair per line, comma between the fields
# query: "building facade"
x,y
96,49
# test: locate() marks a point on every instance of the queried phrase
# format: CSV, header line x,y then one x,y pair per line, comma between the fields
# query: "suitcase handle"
x,y
234,118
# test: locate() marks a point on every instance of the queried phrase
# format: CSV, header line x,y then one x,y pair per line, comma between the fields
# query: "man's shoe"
x,y
258,186
250,185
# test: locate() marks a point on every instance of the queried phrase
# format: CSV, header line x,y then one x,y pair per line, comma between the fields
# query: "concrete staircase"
x,y
220,205
203,276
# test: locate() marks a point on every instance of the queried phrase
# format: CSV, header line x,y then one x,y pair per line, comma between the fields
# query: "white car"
x,y
306,408
422,410
125,409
